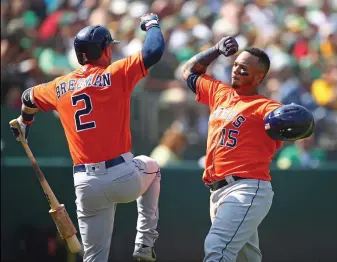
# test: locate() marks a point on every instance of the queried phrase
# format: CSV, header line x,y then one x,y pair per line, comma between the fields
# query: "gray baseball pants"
x,y
98,193
236,212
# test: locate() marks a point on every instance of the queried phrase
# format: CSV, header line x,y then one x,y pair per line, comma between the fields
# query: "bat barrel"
x,y
58,212
65,227
73,244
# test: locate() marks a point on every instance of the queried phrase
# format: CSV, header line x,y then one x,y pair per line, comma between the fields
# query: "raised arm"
x,y
154,44
198,64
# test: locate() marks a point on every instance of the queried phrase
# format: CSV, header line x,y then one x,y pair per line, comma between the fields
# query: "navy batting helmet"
x,y
90,42
289,122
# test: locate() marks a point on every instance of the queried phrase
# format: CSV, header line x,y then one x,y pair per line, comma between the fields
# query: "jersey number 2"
x,y
82,112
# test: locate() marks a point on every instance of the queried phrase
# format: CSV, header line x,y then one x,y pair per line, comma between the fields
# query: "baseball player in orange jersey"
x,y
93,103
239,150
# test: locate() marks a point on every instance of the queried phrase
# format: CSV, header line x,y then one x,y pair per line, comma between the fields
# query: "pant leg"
x,y
95,216
240,209
96,234
250,251
147,203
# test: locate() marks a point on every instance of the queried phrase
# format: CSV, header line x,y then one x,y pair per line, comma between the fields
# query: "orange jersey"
x,y
237,142
94,107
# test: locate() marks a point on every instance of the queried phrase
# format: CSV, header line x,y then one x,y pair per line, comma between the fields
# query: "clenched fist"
x,y
227,46
148,20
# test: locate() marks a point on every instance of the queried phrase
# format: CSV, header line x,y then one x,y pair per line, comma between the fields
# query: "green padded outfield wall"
x,y
301,226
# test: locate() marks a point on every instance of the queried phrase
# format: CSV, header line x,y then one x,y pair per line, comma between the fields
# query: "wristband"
x,y
151,23
27,118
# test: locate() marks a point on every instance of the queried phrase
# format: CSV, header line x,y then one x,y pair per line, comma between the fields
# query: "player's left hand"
x,y
24,129
148,20
227,46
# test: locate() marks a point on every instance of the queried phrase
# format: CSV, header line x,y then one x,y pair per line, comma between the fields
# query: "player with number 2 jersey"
x,y
93,103
95,98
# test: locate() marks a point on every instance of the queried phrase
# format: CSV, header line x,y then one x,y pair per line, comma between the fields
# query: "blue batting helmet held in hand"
x,y
289,122
90,43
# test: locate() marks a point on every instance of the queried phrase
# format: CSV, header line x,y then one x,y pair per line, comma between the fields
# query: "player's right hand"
x,y
148,20
227,46
24,129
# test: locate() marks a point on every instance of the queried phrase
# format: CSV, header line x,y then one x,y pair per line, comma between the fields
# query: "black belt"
x,y
109,163
221,183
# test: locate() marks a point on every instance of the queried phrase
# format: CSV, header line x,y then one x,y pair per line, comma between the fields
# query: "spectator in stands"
x,y
300,36
171,146
324,90
302,153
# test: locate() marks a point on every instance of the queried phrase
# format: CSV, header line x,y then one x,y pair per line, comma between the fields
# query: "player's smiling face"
x,y
246,73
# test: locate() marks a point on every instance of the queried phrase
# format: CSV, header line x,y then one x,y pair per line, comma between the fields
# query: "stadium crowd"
x,y
300,37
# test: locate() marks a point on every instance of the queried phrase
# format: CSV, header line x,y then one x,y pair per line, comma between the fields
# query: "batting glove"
x,y
148,20
24,129
227,46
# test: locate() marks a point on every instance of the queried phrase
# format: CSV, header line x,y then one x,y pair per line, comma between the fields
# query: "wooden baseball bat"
x,y
58,212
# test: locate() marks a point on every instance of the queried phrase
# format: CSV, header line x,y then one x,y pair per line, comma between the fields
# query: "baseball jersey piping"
x,y
251,203
141,169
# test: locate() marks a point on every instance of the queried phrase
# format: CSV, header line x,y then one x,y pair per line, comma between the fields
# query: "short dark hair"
x,y
263,57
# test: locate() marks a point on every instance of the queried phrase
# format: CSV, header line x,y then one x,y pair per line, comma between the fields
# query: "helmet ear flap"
x,y
95,53
80,58
84,58
81,54
87,51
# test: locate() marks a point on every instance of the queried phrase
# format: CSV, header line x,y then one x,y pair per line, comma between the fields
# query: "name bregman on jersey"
x,y
100,81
